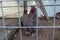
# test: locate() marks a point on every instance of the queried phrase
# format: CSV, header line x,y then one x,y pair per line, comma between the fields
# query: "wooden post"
x,y
42,8
25,5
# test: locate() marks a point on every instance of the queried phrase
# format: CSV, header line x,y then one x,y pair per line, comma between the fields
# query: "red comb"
x,y
33,9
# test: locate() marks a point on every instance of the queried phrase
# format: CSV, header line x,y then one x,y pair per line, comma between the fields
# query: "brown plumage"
x,y
29,20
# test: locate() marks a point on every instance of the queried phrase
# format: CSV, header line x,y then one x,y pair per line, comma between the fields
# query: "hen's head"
x,y
33,9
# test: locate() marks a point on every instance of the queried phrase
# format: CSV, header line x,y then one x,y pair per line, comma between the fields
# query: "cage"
x,y
29,20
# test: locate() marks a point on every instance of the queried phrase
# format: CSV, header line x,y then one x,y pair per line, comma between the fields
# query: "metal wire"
x,y
21,27
54,20
3,21
19,20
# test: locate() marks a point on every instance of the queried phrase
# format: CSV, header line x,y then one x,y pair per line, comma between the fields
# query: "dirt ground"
x,y
41,22
57,22
44,34
44,22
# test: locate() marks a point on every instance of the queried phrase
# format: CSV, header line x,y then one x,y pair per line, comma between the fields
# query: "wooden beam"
x,y
42,8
